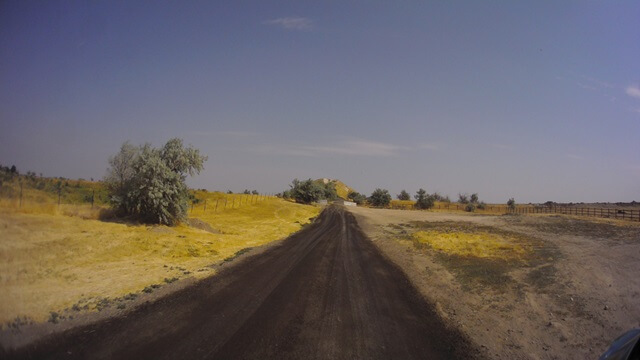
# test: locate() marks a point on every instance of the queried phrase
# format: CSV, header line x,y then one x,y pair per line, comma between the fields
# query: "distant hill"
x,y
341,188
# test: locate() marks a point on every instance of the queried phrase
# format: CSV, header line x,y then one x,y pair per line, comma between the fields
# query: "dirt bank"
x,y
573,293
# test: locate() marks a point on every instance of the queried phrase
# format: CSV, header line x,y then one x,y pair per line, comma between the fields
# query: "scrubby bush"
x,y
482,205
463,198
511,204
424,200
380,198
149,183
356,197
470,207
404,195
474,198
254,192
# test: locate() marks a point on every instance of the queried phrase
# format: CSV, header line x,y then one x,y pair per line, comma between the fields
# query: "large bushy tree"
x,y
306,191
309,191
380,198
148,183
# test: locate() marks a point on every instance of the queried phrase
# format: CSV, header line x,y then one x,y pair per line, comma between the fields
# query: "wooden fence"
x,y
623,214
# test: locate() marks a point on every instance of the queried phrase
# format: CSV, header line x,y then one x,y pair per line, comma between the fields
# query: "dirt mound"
x,y
202,225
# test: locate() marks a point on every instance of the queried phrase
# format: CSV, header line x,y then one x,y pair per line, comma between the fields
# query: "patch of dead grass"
x,y
51,262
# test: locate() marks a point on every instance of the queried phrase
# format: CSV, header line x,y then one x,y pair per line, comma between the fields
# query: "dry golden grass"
x,y
479,244
49,262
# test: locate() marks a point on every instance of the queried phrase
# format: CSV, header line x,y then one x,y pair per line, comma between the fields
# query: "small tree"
x,y
474,198
463,198
423,200
511,204
404,195
380,198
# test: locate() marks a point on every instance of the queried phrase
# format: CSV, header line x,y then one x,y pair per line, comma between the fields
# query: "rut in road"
x,y
323,293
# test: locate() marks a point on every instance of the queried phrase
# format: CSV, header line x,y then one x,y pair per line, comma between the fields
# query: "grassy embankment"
x,y
52,259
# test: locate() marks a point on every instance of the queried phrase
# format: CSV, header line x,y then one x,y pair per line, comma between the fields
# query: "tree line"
x,y
310,191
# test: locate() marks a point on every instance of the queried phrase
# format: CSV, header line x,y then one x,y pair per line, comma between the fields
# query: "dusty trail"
x,y
324,293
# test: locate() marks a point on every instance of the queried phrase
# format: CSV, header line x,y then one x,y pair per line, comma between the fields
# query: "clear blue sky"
x,y
537,100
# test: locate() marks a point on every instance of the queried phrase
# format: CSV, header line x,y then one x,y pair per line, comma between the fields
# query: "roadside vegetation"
x,y
76,245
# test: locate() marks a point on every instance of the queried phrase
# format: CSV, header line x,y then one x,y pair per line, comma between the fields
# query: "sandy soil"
x,y
574,294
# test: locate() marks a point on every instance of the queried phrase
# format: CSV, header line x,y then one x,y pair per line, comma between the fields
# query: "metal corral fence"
x,y
622,214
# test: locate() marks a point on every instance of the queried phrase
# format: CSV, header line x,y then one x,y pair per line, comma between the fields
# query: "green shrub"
x,y
380,198
470,207
423,200
404,195
356,197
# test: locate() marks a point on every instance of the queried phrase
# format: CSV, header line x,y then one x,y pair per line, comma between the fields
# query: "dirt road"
x,y
324,293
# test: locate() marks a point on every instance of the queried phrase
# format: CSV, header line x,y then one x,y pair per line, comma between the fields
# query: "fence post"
x,y
20,194
93,196
59,192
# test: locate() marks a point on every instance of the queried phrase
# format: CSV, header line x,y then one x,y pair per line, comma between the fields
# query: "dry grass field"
x,y
55,261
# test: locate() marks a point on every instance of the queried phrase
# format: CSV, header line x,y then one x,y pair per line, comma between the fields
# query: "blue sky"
x,y
533,100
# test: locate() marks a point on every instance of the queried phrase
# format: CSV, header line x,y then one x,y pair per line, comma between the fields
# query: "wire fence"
x,y
609,213
222,202
94,204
